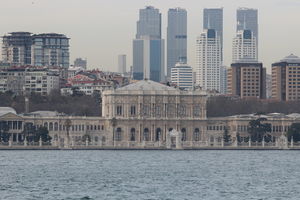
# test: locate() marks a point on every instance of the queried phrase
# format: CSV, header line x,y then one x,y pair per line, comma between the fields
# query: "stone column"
x,y
222,142
292,142
87,141
40,142
249,142
263,142
25,142
10,141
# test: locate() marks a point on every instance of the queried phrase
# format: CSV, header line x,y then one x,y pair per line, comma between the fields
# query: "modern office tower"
x,y
148,47
176,38
244,46
223,80
50,49
148,59
247,80
149,23
286,79
213,19
122,64
247,19
79,62
182,76
16,48
208,60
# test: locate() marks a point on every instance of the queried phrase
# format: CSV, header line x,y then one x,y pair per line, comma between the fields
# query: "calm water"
x,y
149,175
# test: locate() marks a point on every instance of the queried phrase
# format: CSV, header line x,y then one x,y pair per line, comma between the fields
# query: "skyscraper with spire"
x,y
213,19
176,38
247,19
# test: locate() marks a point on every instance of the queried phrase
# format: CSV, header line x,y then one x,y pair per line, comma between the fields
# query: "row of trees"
x,y
221,106
259,130
30,132
78,104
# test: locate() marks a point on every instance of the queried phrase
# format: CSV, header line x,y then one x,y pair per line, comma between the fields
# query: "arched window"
x,y
157,134
170,129
50,126
183,132
132,134
46,125
146,134
197,134
96,138
118,134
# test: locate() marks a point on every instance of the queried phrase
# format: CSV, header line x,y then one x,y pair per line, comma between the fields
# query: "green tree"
x,y
4,134
226,136
257,130
294,131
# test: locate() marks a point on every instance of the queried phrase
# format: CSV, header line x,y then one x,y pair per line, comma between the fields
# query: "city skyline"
x,y
88,40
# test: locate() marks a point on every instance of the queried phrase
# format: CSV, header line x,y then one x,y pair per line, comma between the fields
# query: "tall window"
x,y
118,136
197,134
146,134
132,110
119,110
132,134
196,111
157,134
183,132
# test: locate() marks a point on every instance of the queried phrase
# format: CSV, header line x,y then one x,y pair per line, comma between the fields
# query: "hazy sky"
x,y
102,29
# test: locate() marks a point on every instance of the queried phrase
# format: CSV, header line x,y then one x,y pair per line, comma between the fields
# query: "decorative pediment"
x,y
10,116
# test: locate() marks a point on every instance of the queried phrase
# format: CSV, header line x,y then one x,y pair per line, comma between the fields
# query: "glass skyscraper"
x,y
213,19
247,19
149,23
176,38
148,47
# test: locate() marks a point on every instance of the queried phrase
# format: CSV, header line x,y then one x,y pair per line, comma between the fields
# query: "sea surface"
x,y
214,175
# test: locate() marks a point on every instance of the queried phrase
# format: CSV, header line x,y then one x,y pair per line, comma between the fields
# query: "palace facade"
x,y
144,114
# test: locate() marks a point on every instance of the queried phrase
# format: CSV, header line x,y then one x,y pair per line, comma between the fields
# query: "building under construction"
x,y
16,48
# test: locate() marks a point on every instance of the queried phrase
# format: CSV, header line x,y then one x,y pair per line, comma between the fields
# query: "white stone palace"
x,y
143,115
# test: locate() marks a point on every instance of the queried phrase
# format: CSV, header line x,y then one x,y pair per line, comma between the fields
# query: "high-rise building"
x,y
148,47
285,79
208,60
247,80
79,62
247,19
223,79
50,49
176,38
182,76
16,48
244,46
148,59
213,19
149,23
122,64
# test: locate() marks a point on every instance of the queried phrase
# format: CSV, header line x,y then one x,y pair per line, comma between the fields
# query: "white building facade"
x,y
244,46
208,60
182,76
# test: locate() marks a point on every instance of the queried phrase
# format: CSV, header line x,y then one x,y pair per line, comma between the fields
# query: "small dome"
x,y
291,59
146,85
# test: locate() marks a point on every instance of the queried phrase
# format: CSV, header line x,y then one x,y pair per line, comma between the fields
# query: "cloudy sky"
x,y
102,29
